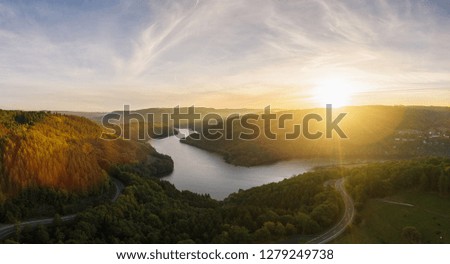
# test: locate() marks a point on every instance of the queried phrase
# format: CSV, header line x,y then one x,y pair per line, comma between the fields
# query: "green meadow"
x,y
382,221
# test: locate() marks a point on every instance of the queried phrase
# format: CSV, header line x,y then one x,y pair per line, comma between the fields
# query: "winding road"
x,y
326,237
7,230
347,218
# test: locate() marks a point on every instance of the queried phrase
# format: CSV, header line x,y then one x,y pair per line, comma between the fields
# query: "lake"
x,y
205,172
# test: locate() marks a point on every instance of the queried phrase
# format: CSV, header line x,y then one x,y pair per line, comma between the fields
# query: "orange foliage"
x,y
3,130
63,152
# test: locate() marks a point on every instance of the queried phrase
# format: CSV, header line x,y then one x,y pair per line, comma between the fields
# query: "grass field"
x,y
381,221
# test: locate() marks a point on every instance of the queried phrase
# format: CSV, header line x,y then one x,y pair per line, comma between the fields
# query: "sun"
x,y
335,91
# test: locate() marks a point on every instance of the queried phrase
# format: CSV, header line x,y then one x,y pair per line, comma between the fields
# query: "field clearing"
x,y
383,222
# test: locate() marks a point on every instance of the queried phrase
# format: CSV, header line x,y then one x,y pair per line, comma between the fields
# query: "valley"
x,y
194,196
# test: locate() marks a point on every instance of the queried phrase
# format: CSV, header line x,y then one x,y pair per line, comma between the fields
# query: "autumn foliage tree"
x,y
40,149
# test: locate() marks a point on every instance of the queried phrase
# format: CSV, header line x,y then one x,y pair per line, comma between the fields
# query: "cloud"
x,y
223,53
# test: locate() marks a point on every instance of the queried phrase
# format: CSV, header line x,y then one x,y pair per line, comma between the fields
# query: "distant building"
x,y
414,132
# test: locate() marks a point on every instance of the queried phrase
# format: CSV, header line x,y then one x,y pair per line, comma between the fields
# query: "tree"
x,y
290,229
262,234
324,214
239,234
57,221
41,235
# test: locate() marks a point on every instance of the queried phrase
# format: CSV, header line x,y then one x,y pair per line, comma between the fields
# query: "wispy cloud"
x,y
100,55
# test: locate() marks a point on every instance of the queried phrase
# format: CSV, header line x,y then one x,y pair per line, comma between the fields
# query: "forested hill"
x,y
40,149
373,132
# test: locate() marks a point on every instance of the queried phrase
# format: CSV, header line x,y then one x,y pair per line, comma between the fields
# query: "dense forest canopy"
x,y
40,149
383,179
373,132
151,210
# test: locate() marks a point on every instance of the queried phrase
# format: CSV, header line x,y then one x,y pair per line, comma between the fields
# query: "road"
x,y
119,188
7,230
347,218
326,237
397,203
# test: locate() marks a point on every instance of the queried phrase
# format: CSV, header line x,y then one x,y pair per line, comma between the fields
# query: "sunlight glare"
x,y
335,91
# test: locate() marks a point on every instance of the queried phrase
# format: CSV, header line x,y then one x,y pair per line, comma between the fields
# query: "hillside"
x,y
373,132
296,209
400,202
44,150
145,124
154,211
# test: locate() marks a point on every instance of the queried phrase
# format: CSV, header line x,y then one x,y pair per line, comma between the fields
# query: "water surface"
x,y
203,172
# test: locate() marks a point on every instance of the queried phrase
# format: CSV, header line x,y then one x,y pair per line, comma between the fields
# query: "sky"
x,y
101,55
